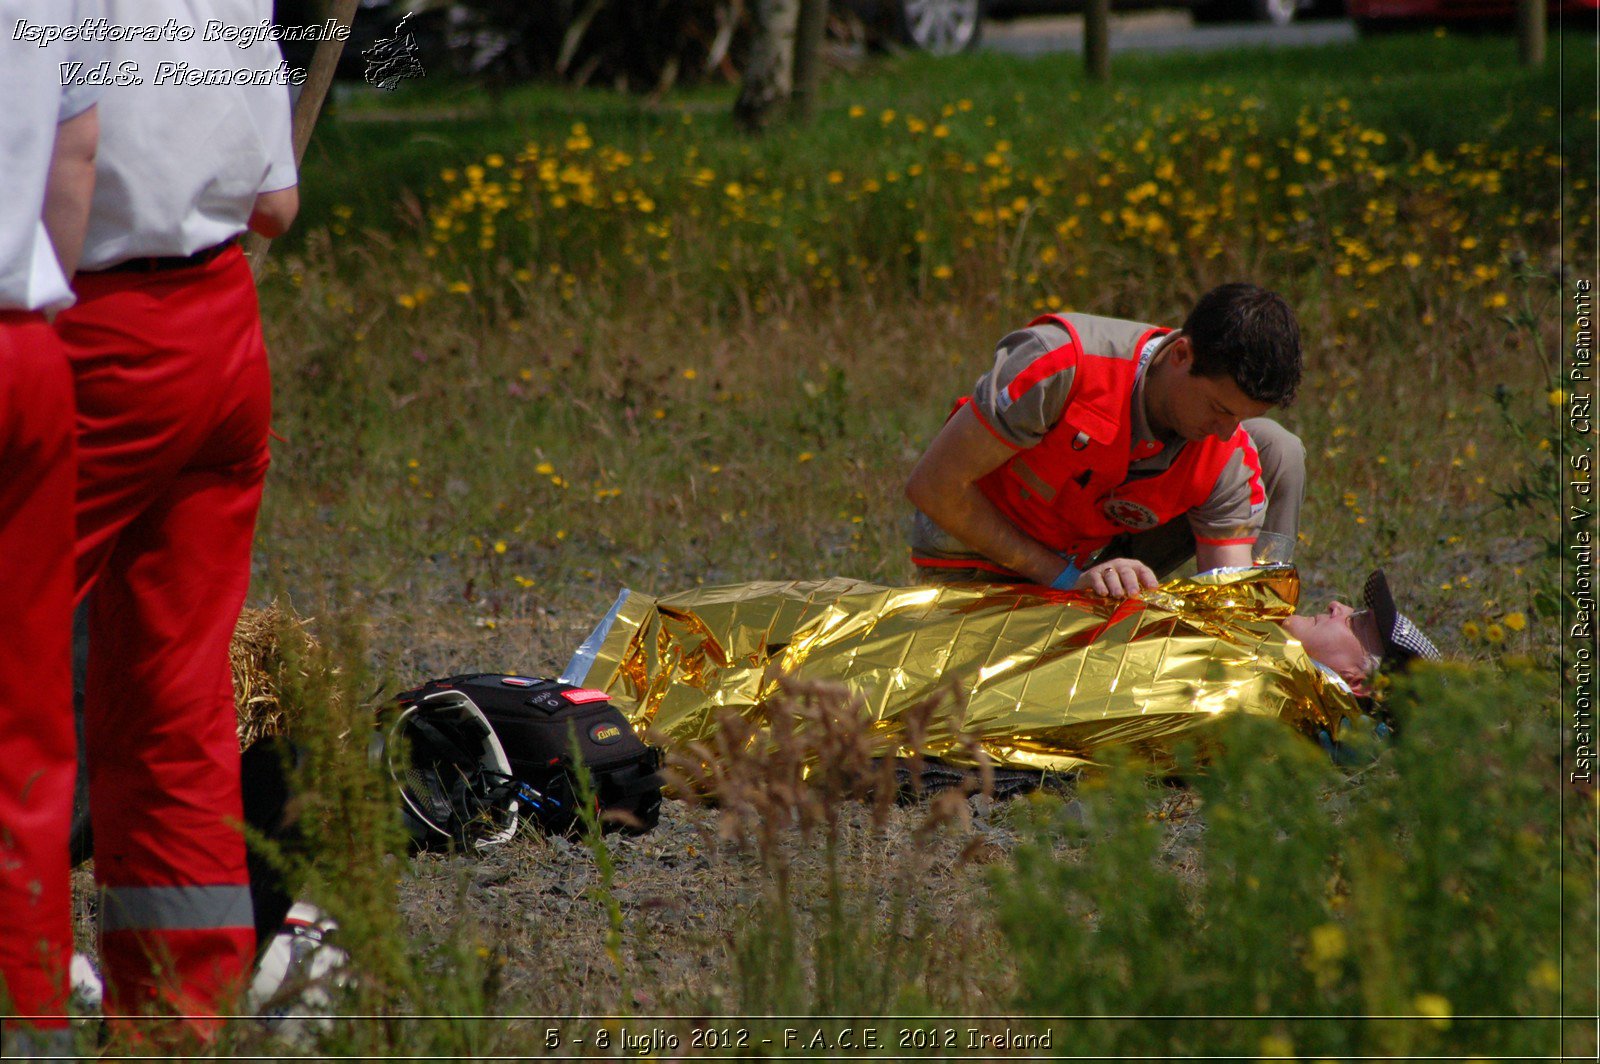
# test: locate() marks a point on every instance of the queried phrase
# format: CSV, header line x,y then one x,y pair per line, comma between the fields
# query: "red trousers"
x,y
173,401
38,761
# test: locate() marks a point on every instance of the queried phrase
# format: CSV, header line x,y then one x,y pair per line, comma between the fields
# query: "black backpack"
x,y
536,722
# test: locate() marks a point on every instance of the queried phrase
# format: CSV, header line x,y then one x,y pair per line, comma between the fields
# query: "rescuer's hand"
x,y
1118,578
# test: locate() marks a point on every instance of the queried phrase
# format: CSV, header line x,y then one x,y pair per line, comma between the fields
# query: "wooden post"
x,y
324,61
808,39
1097,39
1531,32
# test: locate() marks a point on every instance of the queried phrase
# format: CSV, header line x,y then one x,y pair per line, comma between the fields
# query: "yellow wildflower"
x,y
1328,943
1276,1045
1434,1006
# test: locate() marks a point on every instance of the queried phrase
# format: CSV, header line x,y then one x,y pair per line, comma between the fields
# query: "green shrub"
x,y
1413,908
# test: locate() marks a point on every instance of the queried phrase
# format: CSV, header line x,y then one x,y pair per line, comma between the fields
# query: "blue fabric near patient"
x,y
1069,577
583,657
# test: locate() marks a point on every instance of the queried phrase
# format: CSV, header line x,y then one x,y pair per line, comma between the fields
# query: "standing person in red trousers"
x,y
170,377
47,139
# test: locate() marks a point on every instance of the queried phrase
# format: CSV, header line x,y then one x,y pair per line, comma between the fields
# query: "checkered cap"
x,y
1403,641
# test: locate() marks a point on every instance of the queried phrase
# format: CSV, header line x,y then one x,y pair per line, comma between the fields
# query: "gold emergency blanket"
x,y
1048,678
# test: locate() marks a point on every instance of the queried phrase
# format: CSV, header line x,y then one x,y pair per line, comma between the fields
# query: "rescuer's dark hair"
x,y
1245,332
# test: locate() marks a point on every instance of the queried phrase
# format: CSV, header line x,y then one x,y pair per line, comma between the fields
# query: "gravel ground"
x,y
684,896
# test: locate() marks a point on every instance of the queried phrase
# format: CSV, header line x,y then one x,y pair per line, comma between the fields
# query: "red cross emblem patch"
x,y
1129,514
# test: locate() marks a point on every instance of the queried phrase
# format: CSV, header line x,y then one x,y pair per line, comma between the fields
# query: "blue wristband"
x,y
1069,576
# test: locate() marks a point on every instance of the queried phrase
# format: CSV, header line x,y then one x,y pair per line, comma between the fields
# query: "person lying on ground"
x,y
1043,679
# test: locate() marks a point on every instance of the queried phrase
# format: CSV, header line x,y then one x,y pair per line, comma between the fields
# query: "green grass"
x,y
487,432
1435,89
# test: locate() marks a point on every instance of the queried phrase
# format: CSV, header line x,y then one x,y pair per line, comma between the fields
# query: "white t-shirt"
x,y
182,159
33,101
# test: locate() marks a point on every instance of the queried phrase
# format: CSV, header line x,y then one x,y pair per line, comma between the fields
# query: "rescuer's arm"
x,y
1225,526
278,197
71,186
1215,555
274,211
944,485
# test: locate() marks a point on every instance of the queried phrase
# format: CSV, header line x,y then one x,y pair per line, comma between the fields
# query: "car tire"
x,y
940,27
1277,12
1211,12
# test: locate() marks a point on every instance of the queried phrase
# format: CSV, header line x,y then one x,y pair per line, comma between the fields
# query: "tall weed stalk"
x,y
845,938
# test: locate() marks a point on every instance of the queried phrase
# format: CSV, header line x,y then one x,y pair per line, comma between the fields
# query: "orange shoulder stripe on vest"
x,y
1050,363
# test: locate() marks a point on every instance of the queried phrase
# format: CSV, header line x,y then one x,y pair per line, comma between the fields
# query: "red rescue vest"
x,y
1071,491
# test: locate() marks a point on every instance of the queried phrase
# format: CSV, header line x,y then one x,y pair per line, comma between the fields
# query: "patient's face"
x,y
1341,638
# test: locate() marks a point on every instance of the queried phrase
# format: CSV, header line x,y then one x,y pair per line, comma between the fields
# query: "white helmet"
x,y
455,782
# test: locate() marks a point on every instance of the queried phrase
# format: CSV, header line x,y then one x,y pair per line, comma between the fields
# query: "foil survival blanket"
x,y
1047,677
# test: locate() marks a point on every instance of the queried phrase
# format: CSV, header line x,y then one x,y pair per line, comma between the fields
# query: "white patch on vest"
x,y
1150,347
1129,514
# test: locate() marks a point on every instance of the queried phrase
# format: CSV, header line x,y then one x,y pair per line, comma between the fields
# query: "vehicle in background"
x,y
946,27
1277,12
1374,16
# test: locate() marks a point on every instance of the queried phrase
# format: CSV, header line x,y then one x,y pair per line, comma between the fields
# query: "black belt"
x,y
162,263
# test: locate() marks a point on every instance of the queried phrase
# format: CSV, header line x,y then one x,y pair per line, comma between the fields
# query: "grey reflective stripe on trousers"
x,y
175,908
16,1043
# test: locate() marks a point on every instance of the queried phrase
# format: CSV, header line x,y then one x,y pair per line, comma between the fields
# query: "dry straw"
x,y
256,659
